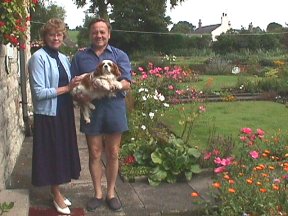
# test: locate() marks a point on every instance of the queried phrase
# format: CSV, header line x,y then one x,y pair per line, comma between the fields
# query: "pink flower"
x,y
202,108
140,69
254,154
260,133
216,152
220,169
166,68
207,156
170,87
243,138
224,161
144,76
246,130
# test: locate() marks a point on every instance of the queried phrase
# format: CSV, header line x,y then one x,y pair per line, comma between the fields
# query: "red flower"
x,y
130,159
2,24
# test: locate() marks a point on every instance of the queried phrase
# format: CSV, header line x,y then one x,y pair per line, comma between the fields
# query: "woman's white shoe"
x,y
67,202
65,210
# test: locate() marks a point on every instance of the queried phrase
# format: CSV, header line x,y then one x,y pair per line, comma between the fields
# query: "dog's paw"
x,y
87,121
118,85
91,106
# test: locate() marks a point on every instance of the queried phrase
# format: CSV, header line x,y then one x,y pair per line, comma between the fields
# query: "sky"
x,y
240,13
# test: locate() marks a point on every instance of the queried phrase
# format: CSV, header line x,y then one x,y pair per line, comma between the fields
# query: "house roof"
x,y
206,29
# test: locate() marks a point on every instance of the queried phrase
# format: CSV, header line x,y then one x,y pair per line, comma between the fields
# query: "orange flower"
x,y
265,175
217,184
227,177
266,151
258,183
275,187
271,167
194,194
249,181
231,190
265,155
231,181
262,190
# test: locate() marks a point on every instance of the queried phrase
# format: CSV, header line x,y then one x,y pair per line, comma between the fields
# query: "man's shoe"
x,y
114,204
94,203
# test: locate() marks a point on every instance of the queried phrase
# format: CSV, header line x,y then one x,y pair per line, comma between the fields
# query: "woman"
x,y
55,157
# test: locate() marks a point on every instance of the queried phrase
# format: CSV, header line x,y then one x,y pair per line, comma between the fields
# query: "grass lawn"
x,y
227,118
217,82
73,35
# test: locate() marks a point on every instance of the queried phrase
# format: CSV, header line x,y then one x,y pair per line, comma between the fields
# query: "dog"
x,y
96,85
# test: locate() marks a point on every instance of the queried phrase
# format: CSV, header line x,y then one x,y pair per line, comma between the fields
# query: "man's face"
x,y
99,34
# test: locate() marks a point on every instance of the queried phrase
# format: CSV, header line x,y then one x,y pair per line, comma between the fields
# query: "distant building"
x,y
216,29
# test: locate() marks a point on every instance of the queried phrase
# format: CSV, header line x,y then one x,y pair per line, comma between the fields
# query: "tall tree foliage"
x,y
183,27
41,15
138,20
100,7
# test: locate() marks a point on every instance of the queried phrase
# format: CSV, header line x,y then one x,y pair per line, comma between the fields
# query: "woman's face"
x,y
54,39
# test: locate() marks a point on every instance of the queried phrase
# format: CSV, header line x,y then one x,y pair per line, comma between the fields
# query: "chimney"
x,y
199,23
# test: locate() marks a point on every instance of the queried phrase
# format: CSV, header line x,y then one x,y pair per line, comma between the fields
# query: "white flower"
x,y
161,97
144,98
155,97
151,115
166,104
132,139
143,127
140,90
143,114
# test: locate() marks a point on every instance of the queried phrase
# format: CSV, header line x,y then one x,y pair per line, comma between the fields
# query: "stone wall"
x,y
12,125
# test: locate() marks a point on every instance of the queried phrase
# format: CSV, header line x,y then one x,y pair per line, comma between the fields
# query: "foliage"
x,y
101,6
41,15
14,20
183,27
254,181
173,160
228,43
5,207
146,142
147,16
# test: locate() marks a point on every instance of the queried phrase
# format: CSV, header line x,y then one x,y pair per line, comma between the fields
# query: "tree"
x,y
274,27
100,7
41,15
183,27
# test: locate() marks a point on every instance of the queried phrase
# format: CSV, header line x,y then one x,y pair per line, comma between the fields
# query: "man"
x,y
108,120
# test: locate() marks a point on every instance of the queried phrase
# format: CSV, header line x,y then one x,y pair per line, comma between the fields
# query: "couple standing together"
x,y
55,159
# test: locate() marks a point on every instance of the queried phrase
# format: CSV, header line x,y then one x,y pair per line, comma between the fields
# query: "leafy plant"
x,y
5,207
173,160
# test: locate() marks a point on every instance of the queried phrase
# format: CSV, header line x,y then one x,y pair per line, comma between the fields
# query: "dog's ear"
x,y
99,70
116,70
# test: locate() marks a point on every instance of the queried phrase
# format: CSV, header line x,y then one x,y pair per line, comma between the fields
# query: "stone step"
x,y
20,198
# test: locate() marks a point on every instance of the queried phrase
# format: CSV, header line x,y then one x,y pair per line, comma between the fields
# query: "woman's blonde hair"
x,y
53,24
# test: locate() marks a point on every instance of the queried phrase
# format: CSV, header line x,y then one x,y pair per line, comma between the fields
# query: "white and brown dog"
x,y
98,84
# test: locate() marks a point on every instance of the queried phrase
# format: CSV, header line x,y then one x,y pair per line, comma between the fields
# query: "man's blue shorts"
x,y
108,117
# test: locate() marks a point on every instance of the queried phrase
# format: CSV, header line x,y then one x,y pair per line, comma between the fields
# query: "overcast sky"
x,y
240,13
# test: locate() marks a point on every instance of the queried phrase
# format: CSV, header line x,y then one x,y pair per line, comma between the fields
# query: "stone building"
x,y
15,99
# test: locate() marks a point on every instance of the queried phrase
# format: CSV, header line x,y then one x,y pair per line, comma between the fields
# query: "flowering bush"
x,y
148,143
14,21
254,181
